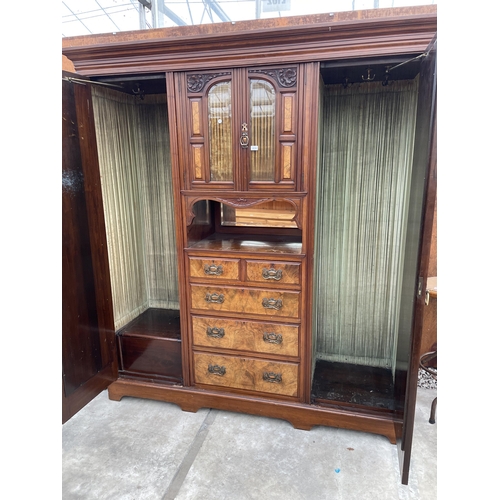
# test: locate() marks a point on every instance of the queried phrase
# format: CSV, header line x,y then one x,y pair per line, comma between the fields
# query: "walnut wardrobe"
x,y
247,212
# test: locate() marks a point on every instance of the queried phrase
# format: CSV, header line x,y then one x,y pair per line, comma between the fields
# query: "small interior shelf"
x,y
353,384
163,323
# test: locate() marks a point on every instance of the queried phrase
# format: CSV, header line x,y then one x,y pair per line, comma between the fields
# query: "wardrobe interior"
x,y
360,312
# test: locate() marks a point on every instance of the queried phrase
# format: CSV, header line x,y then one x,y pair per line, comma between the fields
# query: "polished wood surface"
x,y
151,357
425,156
249,336
89,361
154,322
249,301
301,416
247,244
360,385
341,36
246,373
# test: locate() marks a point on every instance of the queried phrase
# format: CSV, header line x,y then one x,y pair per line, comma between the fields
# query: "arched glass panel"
x,y
219,125
262,116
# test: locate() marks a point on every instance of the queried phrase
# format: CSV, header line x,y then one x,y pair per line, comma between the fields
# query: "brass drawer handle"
x,y
213,270
273,378
217,370
272,274
272,304
214,298
272,338
215,333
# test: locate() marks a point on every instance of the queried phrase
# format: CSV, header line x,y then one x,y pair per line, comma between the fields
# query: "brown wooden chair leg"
x,y
432,419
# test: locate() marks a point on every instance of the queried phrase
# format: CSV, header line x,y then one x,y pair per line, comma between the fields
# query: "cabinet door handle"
x,y
214,298
272,274
244,139
272,304
213,270
215,333
217,370
272,338
271,377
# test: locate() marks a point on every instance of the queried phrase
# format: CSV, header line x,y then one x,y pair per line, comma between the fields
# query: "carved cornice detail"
x,y
243,202
286,77
197,82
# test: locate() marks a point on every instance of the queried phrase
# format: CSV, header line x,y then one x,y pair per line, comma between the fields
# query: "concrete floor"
x,y
137,449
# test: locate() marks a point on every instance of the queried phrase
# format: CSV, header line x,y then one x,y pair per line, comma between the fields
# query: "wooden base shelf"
x,y
301,416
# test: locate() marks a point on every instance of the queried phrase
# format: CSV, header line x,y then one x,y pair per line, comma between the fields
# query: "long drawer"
x,y
245,373
275,303
254,336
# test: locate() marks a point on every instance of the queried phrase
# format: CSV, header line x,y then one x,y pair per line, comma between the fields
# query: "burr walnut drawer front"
x,y
214,268
246,374
254,336
273,272
246,300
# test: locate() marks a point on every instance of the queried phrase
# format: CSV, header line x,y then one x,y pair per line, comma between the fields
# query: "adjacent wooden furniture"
x,y
244,118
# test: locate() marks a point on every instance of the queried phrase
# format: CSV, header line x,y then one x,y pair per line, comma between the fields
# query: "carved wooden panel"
x,y
214,268
246,373
273,272
253,336
271,303
285,77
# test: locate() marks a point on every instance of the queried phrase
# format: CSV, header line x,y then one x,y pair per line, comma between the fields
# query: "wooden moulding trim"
x,y
301,416
370,37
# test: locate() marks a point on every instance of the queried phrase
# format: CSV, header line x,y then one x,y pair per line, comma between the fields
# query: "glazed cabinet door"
x,y
238,128
207,129
271,155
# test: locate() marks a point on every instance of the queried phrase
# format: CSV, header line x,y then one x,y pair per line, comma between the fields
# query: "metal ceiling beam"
x,y
217,9
164,10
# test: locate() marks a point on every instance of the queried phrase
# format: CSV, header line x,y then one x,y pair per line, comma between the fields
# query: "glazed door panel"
x,y
208,130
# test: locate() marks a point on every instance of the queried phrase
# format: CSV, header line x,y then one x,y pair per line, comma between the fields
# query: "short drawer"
x,y
253,336
214,268
287,273
153,357
247,374
275,303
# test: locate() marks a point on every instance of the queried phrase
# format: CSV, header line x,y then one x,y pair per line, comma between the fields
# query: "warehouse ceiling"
x,y
86,17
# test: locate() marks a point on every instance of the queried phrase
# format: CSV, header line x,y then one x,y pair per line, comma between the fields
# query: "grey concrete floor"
x,y
137,449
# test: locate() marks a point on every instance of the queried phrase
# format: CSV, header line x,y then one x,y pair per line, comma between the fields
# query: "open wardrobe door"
x,y
88,345
416,260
